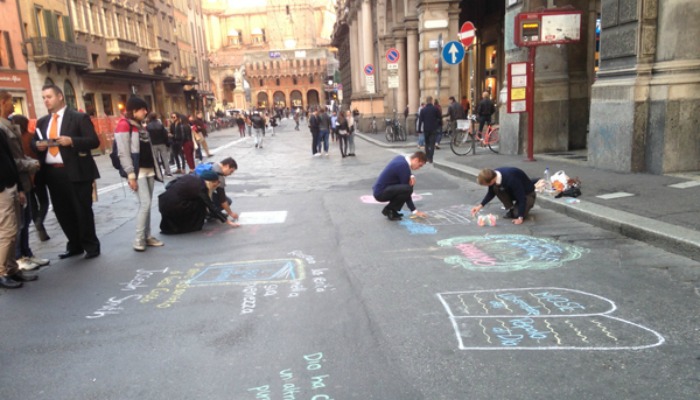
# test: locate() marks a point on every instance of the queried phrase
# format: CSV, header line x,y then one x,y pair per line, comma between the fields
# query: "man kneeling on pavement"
x,y
512,187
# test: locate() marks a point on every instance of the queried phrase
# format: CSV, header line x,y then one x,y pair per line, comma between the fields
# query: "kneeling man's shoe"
x,y
510,214
21,277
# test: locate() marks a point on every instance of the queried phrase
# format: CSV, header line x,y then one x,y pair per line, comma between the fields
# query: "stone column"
x,y
355,67
367,36
412,69
401,92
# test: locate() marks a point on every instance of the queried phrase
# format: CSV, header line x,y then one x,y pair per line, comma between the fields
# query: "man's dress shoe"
x,y
69,254
20,277
9,283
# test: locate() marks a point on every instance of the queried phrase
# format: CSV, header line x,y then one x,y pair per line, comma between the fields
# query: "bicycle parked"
x,y
394,131
464,140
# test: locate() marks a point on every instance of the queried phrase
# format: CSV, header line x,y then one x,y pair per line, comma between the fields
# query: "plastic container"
x,y
486,220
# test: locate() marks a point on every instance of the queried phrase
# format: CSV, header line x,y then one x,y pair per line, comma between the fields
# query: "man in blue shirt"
x,y
512,187
395,185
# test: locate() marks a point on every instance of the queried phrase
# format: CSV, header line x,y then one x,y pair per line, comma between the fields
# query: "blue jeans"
x,y
323,139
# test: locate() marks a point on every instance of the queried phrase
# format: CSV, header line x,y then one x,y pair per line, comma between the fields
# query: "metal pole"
x,y
531,105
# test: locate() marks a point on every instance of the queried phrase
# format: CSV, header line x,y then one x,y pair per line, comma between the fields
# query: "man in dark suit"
x,y
512,187
64,140
429,122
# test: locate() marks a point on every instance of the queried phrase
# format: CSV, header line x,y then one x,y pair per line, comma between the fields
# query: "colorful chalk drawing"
x,y
268,279
312,380
544,318
417,228
283,270
503,253
369,199
455,215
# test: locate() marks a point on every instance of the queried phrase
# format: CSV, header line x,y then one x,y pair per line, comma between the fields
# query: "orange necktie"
x,y
53,134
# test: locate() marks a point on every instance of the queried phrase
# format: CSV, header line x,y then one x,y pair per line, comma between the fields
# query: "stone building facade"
x,y
627,90
269,54
14,76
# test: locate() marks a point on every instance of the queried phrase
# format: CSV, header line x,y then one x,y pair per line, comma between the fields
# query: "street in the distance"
x,y
319,296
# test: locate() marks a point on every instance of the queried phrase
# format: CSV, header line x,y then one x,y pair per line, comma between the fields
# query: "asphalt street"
x,y
318,296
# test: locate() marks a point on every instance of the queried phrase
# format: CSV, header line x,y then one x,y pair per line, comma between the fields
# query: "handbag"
x,y
343,132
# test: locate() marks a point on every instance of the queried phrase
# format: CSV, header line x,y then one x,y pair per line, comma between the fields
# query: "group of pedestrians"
x,y
342,126
57,159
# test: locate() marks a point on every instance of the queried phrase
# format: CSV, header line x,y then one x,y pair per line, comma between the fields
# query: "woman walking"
x,y
343,133
351,133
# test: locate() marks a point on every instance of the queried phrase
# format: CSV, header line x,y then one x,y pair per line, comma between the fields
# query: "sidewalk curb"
x,y
675,239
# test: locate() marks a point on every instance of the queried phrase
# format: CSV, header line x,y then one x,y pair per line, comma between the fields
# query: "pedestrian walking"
x,y
258,122
343,133
141,167
428,123
314,128
351,136
177,137
324,128
484,110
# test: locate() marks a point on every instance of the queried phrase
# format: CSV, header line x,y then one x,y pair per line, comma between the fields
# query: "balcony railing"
x,y
122,51
159,59
49,50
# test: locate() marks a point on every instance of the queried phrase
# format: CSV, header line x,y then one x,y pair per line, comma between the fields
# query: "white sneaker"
x,y
42,262
325,154
153,242
26,265
317,154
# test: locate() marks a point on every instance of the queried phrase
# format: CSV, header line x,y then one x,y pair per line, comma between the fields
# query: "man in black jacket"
x,y
429,122
484,111
512,187
159,141
64,141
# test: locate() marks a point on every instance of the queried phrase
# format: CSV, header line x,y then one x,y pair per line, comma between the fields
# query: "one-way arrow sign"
x,y
453,52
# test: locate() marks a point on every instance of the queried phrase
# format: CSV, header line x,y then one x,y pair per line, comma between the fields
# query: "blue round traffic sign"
x,y
369,69
453,52
392,56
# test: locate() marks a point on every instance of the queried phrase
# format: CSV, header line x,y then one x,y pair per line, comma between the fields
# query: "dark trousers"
x,y
343,139
176,154
483,119
39,200
72,204
396,195
314,142
509,202
430,145
22,248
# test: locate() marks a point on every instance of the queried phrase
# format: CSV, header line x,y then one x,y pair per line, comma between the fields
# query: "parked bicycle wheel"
x,y
494,140
389,134
461,143
402,134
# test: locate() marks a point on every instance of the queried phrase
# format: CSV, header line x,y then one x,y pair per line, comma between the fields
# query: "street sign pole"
x,y
530,98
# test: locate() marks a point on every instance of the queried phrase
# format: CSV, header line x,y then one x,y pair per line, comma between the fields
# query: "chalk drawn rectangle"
x,y
615,195
262,217
544,318
282,270
685,185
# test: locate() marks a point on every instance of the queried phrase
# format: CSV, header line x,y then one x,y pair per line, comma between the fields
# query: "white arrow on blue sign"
x,y
453,52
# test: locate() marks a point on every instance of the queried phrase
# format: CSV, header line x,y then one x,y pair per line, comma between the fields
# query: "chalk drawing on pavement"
x,y
369,199
544,318
262,217
502,253
417,228
455,215
266,271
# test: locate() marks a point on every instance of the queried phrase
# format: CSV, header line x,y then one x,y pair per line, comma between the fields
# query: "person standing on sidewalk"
x,y
428,123
27,168
140,165
64,141
313,127
159,142
455,112
258,122
343,133
351,133
513,188
202,129
484,111
11,200
176,139
395,185
324,129
38,195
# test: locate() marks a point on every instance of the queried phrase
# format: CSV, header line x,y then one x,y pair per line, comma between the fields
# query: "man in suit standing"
x,y
429,122
512,187
64,140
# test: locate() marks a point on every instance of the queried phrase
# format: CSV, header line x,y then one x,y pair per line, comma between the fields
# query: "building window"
x,y
69,95
89,100
234,38
257,36
311,79
6,58
294,80
261,82
277,81
107,104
